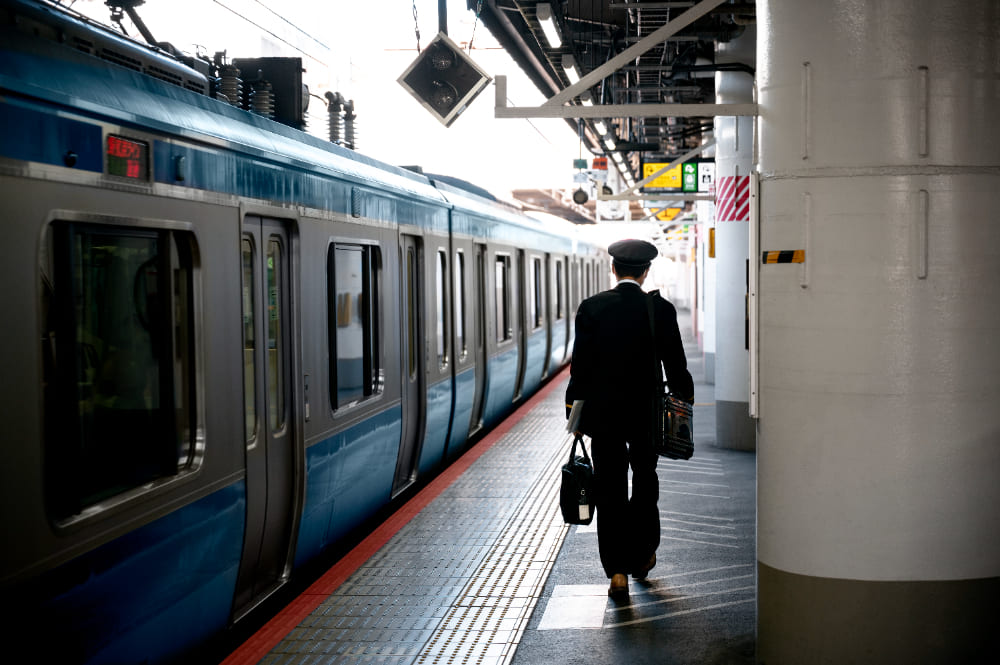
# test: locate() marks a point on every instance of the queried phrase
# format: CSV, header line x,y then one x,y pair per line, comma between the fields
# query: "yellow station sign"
x,y
667,179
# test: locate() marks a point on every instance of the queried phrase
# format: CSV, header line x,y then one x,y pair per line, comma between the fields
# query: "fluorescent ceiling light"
x,y
569,66
586,99
601,128
544,13
609,143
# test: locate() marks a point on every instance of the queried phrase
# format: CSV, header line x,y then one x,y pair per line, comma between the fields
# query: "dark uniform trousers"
x,y
628,528
613,373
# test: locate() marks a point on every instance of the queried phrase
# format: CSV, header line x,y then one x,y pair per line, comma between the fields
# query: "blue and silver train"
x,y
227,344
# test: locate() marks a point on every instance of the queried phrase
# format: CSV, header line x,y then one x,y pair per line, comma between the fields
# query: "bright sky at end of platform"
x,y
359,50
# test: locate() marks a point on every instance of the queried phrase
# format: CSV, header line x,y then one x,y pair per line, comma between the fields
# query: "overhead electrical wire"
x,y
279,38
292,24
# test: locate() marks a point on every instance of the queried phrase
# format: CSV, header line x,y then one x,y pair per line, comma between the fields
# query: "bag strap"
x,y
657,369
578,438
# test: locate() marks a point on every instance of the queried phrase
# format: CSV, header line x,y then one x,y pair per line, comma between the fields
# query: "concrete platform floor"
x,y
482,570
698,604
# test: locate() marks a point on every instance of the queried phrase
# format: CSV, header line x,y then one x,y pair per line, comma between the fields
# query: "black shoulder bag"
x,y
671,426
576,494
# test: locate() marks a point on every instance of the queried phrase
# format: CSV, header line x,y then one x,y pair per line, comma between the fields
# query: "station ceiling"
x,y
679,69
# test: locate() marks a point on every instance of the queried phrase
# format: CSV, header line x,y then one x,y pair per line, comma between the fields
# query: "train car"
x,y
228,344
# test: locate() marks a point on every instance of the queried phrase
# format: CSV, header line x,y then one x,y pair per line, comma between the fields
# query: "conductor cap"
x,y
637,253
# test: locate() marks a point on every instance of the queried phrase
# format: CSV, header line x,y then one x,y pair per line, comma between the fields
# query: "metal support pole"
x,y
147,35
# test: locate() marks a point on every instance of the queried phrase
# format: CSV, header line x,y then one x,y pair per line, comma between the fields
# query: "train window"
x,y
462,344
502,269
275,371
531,279
411,312
353,297
118,364
372,266
560,299
537,309
575,277
442,318
249,343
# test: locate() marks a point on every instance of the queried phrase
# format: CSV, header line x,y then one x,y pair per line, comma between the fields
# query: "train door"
x,y
541,287
565,314
267,398
522,324
479,330
575,298
412,357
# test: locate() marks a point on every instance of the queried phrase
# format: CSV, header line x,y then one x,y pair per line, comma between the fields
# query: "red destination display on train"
x,y
127,159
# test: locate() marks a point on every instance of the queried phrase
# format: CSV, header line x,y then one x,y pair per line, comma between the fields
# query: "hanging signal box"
x,y
444,79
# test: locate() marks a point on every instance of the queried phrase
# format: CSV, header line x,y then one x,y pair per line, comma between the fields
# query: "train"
x,y
229,344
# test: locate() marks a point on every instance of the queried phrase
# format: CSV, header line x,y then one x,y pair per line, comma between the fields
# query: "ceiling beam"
x,y
633,52
501,109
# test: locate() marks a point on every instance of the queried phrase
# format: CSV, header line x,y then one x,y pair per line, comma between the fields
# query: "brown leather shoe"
x,y
640,573
619,586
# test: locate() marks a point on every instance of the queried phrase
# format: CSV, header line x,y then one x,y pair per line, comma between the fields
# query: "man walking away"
x,y
614,374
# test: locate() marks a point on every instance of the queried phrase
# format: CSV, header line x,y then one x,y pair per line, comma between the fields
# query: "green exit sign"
x,y
689,177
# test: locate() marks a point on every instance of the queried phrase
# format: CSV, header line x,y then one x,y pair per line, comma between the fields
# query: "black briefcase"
x,y
672,434
576,495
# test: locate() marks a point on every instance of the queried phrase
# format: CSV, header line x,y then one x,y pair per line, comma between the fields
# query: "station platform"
x,y
480,568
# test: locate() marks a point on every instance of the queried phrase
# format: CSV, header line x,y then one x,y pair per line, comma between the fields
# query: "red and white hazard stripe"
x,y
732,199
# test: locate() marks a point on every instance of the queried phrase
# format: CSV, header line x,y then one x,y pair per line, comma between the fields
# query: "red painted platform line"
x,y
265,639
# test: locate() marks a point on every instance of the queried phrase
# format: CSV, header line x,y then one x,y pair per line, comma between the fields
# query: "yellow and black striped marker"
x,y
784,256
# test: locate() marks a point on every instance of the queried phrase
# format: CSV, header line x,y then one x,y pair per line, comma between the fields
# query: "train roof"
x,y
55,71
65,59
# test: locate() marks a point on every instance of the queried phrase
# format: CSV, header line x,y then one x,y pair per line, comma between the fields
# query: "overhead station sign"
x,y
693,176
669,179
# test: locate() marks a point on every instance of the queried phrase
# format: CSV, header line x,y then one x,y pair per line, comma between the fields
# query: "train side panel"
x,y
185,565
468,350
437,317
85,567
348,478
350,368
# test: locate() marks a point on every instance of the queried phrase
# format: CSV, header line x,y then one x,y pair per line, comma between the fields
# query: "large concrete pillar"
x,y
879,429
733,163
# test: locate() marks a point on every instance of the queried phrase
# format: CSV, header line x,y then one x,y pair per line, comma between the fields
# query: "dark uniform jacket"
x,y
613,362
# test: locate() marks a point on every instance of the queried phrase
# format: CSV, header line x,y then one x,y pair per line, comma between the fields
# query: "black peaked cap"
x,y
633,252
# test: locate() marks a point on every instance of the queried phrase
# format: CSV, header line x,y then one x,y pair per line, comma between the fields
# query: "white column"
x,y
879,430
733,162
